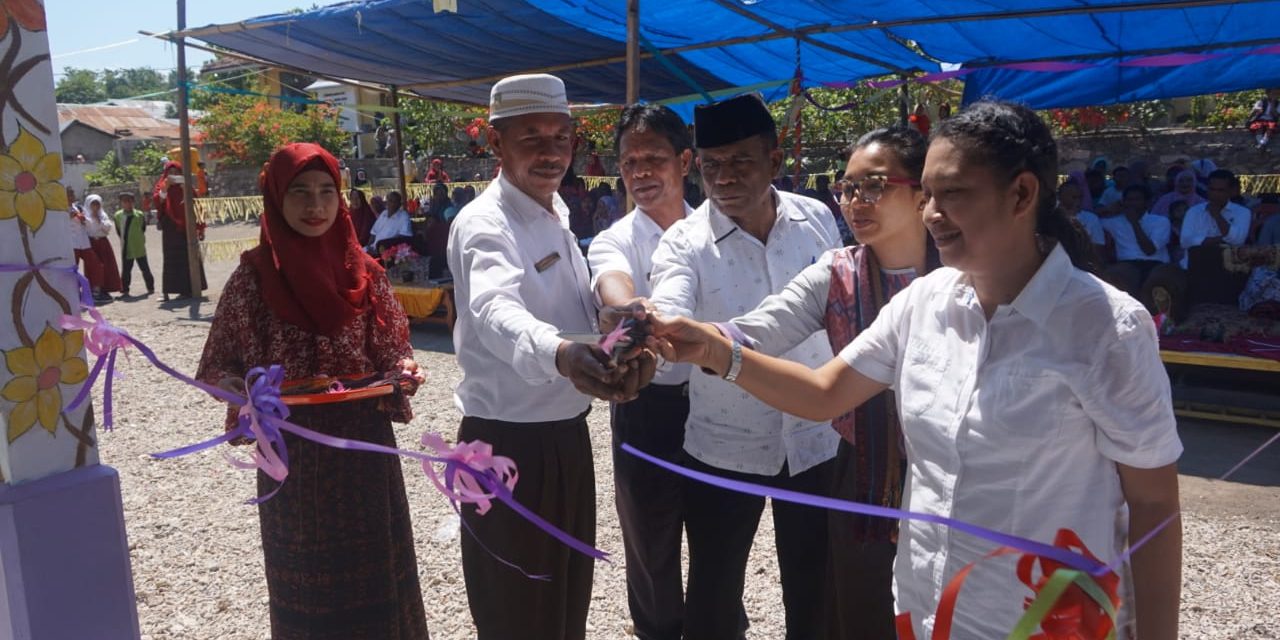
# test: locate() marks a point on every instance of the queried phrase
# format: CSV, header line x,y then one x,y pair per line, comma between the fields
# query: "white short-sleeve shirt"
x,y
708,268
627,247
1157,228
1198,226
1015,424
1093,226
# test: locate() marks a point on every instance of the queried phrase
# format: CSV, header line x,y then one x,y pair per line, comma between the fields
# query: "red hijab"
x,y
316,284
172,207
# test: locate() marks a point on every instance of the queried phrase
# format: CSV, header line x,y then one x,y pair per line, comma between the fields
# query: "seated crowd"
x,y
1143,229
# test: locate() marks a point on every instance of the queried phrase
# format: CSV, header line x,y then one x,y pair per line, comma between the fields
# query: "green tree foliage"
x,y
147,159
80,86
246,129
128,83
437,128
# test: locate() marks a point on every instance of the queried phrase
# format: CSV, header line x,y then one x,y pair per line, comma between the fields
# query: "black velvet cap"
x,y
728,121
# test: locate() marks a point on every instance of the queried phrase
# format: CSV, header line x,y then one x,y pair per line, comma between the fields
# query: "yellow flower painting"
x,y
38,371
29,181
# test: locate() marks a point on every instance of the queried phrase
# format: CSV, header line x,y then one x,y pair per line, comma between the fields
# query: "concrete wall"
x,y
86,141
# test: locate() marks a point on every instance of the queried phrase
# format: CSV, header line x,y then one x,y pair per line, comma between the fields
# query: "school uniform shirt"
x,y
1157,228
519,280
1198,226
1015,423
627,247
390,225
707,268
79,235
1113,195
1093,226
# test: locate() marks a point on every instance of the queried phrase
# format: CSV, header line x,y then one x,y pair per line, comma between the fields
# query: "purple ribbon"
x,y
98,334
270,417
1069,558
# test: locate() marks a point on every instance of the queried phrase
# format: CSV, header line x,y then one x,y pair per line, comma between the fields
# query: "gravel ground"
x,y
198,566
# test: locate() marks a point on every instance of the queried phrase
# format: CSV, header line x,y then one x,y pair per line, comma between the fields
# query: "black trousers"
x,y
126,273
557,481
721,525
651,507
859,572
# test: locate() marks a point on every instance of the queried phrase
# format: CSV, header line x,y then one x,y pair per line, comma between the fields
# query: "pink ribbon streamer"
x,y
458,486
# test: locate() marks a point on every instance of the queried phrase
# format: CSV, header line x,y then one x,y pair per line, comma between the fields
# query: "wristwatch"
x,y
735,362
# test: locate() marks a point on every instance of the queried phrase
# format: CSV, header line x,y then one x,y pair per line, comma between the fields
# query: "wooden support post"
x,y
188,172
399,150
904,102
633,73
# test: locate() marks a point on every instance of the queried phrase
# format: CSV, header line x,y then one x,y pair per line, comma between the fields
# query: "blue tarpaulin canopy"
x,y
696,46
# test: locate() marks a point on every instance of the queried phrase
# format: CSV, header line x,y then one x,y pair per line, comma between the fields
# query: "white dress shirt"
x,y
1093,226
390,225
627,247
1198,226
519,279
707,268
1157,228
1015,423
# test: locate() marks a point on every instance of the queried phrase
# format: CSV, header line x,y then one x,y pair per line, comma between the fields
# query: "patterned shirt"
x,y
707,268
246,334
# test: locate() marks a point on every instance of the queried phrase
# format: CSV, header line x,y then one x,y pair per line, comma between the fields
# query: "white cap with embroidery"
x,y
532,93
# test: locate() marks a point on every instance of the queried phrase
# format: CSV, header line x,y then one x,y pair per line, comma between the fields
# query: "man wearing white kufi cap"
x,y
520,280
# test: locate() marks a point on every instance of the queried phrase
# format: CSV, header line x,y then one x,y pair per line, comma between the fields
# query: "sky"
x,y
77,25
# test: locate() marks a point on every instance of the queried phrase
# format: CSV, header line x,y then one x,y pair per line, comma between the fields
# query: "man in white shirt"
x,y
392,223
1109,202
1217,220
653,157
520,280
1141,241
745,242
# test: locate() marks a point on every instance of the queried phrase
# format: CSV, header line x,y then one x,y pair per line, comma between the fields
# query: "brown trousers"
x,y
557,481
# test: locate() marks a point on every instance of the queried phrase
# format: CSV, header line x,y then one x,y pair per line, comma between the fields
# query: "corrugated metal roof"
x,y
122,122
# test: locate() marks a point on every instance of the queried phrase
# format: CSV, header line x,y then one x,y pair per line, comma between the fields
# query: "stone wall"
x,y
1232,149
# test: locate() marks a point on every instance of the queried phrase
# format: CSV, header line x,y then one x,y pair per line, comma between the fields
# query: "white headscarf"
x,y
98,225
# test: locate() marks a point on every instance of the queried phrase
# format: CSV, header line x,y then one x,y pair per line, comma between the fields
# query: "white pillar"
x,y
64,560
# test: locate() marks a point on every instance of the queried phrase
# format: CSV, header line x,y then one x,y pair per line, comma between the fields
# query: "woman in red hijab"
x,y
436,173
362,216
169,201
337,537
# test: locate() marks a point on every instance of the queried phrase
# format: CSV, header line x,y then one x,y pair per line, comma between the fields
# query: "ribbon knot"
x,y
259,419
103,340
476,486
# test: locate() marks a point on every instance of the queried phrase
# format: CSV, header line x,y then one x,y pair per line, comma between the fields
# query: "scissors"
x,y
628,333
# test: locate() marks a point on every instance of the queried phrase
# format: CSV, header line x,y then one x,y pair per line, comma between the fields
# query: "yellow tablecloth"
x,y
419,302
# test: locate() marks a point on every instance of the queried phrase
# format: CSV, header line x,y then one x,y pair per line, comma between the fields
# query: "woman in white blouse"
x,y
1031,394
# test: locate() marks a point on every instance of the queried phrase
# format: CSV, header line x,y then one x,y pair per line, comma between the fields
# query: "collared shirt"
x,y
1093,226
1157,228
1015,423
1198,226
627,247
708,268
392,225
519,279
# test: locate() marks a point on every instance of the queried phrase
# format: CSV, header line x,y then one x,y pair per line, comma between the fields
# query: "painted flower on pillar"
x,y
27,13
38,373
29,181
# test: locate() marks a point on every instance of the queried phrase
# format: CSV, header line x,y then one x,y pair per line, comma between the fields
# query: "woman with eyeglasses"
x,y
1030,393
842,293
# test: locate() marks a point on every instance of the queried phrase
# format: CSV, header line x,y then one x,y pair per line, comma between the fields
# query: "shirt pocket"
x,y
921,378
1024,402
